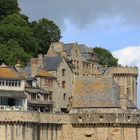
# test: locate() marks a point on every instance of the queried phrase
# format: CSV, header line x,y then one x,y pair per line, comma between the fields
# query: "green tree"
x,y
46,32
8,7
11,52
16,28
105,57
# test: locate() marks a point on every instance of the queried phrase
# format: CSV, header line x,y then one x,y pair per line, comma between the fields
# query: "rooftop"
x,y
44,73
9,73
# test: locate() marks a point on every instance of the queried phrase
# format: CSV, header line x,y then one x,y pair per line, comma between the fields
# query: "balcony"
x,y
39,102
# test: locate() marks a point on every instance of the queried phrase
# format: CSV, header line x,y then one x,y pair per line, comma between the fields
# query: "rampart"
x,y
123,70
80,126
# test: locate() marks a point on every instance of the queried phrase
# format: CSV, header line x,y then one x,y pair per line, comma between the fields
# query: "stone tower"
x,y
126,77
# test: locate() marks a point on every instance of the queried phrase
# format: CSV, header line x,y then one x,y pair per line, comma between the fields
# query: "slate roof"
x,y
52,63
68,48
100,92
12,94
84,50
95,92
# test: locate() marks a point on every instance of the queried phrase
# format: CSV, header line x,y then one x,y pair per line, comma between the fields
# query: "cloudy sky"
x,y
112,24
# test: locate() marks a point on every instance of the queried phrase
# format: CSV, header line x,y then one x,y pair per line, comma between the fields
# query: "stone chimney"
x,y
40,61
123,102
36,64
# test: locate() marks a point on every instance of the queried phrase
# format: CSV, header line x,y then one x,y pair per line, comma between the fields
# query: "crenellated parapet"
x,y
125,117
33,117
105,118
123,70
39,126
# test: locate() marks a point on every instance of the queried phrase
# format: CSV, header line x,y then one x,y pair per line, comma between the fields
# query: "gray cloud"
x,y
82,12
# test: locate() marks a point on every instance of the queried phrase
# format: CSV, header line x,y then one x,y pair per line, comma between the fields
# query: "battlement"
x,y
106,118
33,117
78,118
123,70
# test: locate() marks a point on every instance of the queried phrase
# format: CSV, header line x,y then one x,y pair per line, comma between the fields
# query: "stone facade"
x,y
126,77
89,101
84,64
61,86
40,126
12,86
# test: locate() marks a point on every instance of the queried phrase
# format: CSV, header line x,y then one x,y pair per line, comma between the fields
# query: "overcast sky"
x,y
112,24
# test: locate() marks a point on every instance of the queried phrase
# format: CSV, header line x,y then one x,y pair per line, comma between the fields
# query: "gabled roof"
x,y
52,63
9,73
68,48
83,48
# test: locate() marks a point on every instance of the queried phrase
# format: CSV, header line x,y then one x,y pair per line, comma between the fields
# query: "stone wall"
x,y
43,126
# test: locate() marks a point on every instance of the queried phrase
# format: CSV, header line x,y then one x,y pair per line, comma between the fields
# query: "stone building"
x,y
54,75
84,63
82,59
84,100
37,99
12,87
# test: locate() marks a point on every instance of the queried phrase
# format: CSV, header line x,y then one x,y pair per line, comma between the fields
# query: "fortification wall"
x,y
123,70
43,126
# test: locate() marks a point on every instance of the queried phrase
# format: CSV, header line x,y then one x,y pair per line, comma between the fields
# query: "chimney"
x,y
40,61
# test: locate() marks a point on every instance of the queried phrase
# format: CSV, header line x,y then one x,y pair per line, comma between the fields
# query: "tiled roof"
x,y
44,73
52,63
9,73
95,92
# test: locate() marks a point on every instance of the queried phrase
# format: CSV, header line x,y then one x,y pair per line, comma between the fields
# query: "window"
x,y
63,84
77,64
64,96
45,97
92,55
33,96
63,72
48,82
76,52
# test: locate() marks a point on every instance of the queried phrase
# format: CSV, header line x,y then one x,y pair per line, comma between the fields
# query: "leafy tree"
x,y
16,28
105,57
8,7
11,52
46,32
